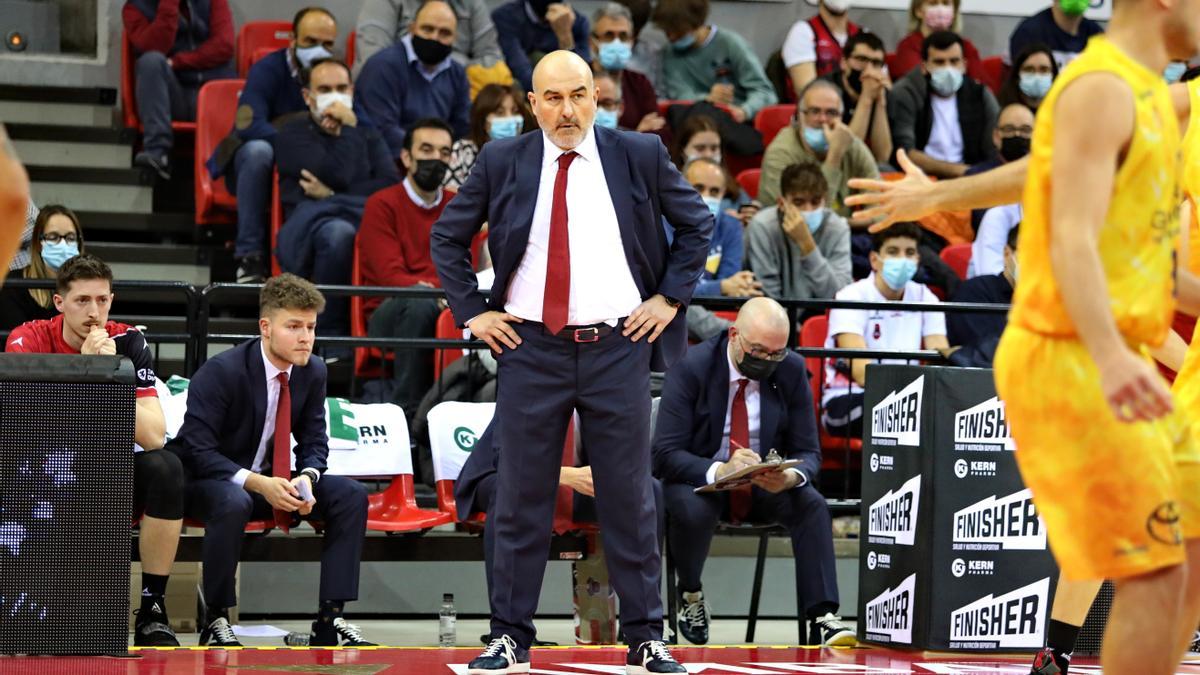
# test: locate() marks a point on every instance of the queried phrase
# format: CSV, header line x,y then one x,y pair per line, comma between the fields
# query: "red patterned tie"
x,y
739,435
281,454
557,297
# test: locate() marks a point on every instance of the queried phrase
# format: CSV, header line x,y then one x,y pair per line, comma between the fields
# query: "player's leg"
x,y
158,483
1189,615
1072,600
1142,635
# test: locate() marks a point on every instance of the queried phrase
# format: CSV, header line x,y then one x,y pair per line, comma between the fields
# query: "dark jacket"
x,y
17,306
194,28
911,114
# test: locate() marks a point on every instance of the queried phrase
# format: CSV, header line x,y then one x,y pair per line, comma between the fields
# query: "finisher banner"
x,y
1101,9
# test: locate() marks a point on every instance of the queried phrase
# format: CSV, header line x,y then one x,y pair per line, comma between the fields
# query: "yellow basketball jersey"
x,y
1138,241
1190,175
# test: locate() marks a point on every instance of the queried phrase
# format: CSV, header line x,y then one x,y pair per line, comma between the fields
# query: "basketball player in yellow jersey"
x,y
14,198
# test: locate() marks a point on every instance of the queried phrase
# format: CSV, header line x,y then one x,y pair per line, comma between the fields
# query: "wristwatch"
x,y
675,304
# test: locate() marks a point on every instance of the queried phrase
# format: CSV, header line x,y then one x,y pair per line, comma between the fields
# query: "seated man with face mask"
x,y
894,261
327,169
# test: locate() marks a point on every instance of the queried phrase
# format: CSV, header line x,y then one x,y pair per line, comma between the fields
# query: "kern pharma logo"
x,y
890,614
341,420
1014,620
893,518
896,420
465,439
983,428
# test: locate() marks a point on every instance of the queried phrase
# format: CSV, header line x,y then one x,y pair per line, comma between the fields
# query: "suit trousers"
x,y
225,507
693,518
540,384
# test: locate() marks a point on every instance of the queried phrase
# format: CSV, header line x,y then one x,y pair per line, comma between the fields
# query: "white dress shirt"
x,y
602,286
945,136
266,443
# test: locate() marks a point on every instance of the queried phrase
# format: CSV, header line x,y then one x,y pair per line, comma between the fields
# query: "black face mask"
x,y
854,79
430,52
756,368
1014,148
429,173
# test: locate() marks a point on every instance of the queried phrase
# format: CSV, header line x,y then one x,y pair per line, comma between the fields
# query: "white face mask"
x,y
837,6
327,99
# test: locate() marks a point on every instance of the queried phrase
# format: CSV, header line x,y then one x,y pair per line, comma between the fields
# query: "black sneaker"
x,y
343,632
218,633
159,164
694,617
1046,664
1194,648
153,629
502,656
251,269
835,632
651,657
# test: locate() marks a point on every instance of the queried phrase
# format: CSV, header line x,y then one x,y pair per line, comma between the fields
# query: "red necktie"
x,y
281,454
739,435
557,296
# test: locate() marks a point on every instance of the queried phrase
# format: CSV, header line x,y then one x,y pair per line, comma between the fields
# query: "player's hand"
x,y
1133,388
494,329
652,316
890,202
652,122
578,479
312,186
776,481
306,506
740,459
98,342
278,491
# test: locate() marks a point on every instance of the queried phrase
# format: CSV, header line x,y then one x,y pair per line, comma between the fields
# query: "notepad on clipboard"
x,y
745,475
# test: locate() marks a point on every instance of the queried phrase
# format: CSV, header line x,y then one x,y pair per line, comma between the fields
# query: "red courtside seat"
x,y
367,360
446,329
351,40
813,333
216,106
958,257
255,35
749,180
993,73
276,221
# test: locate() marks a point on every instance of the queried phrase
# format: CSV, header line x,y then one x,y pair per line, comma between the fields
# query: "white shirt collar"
x,y
416,197
271,371
586,149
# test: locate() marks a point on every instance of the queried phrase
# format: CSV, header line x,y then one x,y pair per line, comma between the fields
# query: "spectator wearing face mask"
x,y
940,117
926,17
1061,27
699,136
327,169
820,136
609,101
975,335
417,78
57,237
814,47
382,23
497,112
1030,78
530,29
612,50
864,82
797,247
1012,137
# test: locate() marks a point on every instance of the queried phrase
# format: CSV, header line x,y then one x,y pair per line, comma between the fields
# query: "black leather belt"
x,y
585,334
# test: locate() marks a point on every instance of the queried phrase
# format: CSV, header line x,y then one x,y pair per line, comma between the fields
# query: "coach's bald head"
x,y
761,330
563,98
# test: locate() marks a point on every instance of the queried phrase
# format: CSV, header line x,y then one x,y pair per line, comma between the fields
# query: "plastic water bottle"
x,y
447,632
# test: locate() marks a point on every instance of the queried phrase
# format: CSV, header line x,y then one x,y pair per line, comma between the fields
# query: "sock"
x,y
154,588
329,610
1060,638
215,613
821,609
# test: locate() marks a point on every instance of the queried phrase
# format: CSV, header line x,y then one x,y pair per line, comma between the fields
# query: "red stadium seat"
x,y
128,100
729,315
276,221
256,35
813,333
446,330
993,73
368,361
351,40
748,179
395,509
215,109
958,257
772,119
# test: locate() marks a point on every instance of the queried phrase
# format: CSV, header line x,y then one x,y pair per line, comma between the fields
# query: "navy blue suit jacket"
x,y
227,408
695,402
502,191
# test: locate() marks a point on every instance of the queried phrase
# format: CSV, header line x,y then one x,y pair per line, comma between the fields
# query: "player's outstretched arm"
x,y
1085,161
14,199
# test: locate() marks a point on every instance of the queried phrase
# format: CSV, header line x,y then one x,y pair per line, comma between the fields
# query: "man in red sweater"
x,y
393,250
179,46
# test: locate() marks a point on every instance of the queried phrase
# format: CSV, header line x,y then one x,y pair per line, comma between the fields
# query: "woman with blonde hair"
x,y
57,237
926,17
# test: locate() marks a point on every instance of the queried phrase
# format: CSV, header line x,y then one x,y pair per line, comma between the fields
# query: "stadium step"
x,y
155,262
78,146
92,189
138,227
70,106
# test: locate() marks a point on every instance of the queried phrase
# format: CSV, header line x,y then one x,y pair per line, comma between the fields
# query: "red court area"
x,y
546,661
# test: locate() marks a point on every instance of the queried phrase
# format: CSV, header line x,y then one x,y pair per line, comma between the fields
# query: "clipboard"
x,y
745,475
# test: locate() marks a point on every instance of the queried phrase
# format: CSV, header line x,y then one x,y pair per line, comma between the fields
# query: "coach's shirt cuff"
x,y
240,477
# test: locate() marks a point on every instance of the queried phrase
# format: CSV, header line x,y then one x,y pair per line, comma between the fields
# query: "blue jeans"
x,y
160,99
323,252
249,179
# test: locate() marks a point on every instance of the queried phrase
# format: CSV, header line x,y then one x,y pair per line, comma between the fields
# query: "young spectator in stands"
x,y
820,136
926,17
798,247
612,49
987,251
1012,138
246,157
894,261
864,82
393,250
1061,27
327,169
940,117
497,112
383,23
83,296
705,63
179,47
699,136
417,78
235,446
530,29
1030,77
57,238
814,47
974,334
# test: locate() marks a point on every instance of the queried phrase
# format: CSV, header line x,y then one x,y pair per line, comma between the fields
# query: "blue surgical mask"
x,y
505,127
814,137
946,81
714,206
684,43
614,55
814,219
1174,71
898,271
55,255
306,55
1035,85
606,118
